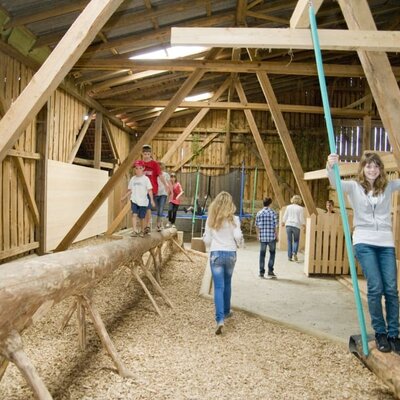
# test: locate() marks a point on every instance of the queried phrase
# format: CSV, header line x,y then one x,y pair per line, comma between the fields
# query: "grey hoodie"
x,y
366,215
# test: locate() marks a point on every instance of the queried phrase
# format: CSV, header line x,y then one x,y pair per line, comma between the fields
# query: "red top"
x,y
152,170
176,189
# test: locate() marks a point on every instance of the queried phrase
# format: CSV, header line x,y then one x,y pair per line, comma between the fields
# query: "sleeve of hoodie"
x,y
347,186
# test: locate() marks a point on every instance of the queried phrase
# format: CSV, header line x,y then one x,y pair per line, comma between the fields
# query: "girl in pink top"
x,y
174,201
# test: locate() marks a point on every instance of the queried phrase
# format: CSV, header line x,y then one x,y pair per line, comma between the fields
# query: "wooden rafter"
x,y
53,71
299,17
280,38
285,139
261,147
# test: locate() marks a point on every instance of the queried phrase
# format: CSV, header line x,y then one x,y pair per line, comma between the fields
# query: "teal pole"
x,y
332,147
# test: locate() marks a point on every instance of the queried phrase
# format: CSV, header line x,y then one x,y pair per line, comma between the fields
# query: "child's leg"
x,y
134,222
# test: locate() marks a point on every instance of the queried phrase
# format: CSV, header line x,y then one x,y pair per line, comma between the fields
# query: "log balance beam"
x,y
30,288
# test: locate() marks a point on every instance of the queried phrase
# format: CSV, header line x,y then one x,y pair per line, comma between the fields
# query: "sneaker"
x,y
173,226
272,275
135,234
147,230
141,234
185,209
220,325
382,343
168,225
261,276
290,259
295,257
394,343
159,229
229,315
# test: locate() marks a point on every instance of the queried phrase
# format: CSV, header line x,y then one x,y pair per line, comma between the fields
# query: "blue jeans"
x,y
293,239
263,251
160,203
379,268
222,264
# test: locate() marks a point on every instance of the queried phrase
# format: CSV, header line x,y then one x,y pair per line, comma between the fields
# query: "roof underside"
x,y
139,26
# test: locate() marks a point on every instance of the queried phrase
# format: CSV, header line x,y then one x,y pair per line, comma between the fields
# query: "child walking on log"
x,y
370,196
141,194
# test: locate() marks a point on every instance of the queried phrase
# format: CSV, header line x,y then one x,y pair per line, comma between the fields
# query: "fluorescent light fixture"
x,y
199,97
170,53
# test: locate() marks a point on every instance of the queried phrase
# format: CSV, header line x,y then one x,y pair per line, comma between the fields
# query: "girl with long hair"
x,y
223,236
370,196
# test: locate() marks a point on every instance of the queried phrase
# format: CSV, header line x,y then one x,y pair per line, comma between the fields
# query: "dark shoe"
x,y
295,257
185,209
290,259
229,315
220,325
147,230
382,343
272,275
394,344
261,276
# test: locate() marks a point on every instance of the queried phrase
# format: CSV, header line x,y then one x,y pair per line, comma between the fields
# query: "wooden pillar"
x,y
42,126
98,131
367,124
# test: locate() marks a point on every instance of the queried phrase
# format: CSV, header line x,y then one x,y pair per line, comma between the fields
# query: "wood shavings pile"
x,y
178,356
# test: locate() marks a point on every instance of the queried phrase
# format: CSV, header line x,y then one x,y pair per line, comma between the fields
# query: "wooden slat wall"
x,y
16,223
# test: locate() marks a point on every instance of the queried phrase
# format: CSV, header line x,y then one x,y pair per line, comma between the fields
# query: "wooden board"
x,y
71,189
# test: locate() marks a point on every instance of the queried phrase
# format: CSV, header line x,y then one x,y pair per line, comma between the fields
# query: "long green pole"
x,y
196,193
332,148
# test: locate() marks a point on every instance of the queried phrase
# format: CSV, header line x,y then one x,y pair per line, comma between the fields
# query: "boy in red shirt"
x,y
152,170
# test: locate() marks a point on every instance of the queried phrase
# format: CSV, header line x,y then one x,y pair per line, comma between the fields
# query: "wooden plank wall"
x,y
16,223
65,118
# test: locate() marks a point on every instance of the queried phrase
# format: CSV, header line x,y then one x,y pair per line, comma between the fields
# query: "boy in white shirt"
x,y
140,192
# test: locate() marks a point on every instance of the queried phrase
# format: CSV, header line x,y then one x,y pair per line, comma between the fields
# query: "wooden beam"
x,y
383,84
293,108
299,18
53,71
281,38
151,132
90,163
286,139
193,123
239,66
98,133
29,194
261,147
81,135
24,154
203,145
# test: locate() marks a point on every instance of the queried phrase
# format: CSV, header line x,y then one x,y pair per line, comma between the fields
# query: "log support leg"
x,y
155,284
104,337
181,249
12,350
68,316
3,366
81,319
153,253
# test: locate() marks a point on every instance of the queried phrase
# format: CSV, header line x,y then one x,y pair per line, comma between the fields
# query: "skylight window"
x,y
199,97
170,53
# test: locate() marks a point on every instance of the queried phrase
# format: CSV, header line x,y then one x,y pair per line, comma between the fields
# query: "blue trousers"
x,y
293,239
263,251
379,268
222,264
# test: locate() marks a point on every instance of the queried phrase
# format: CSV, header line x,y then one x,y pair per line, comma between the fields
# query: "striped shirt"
x,y
267,222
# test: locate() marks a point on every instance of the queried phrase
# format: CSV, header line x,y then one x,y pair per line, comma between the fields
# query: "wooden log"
x,y
28,289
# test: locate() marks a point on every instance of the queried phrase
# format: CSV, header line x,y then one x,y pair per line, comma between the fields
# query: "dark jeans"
x,y
379,268
263,251
172,210
293,239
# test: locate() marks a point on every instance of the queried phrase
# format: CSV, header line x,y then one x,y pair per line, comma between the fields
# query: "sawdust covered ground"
x,y
178,356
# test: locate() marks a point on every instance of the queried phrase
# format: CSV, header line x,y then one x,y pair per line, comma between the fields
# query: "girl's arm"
x,y
347,186
237,233
180,193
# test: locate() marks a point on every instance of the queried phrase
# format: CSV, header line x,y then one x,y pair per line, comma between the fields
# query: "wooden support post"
x,y
98,132
285,138
54,69
81,135
153,253
114,225
154,282
68,315
3,366
105,338
181,249
378,72
12,349
261,147
152,131
81,319
139,279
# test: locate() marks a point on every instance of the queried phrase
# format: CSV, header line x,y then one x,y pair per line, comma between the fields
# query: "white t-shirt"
x,y
294,216
140,186
162,191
